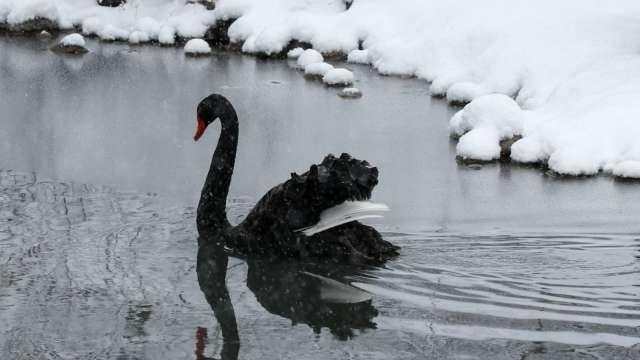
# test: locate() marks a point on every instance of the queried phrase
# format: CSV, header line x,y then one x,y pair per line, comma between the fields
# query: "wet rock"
x,y
33,25
469,162
350,93
335,55
209,4
217,35
73,44
111,3
475,166
297,44
505,148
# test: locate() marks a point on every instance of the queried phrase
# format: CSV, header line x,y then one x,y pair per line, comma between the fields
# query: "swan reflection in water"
x,y
314,294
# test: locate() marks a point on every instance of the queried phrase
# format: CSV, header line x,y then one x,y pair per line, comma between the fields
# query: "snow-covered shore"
x,y
571,67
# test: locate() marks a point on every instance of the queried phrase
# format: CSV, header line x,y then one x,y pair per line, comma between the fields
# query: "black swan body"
x,y
314,294
272,227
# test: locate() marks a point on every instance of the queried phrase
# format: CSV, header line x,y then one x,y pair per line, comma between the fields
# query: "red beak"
x,y
200,128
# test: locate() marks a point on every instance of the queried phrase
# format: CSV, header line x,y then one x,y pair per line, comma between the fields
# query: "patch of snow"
x,y
309,56
317,69
73,40
358,56
295,53
338,76
197,47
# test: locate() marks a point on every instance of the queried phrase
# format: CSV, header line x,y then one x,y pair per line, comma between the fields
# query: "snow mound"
x,y
317,69
338,76
73,40
295,53
358,56
309,56
197,47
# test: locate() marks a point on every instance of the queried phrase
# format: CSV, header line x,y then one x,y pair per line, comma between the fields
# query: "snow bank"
x,y
317,69
569,65
135,21
572,67
358,56
338,77
73,40
197,47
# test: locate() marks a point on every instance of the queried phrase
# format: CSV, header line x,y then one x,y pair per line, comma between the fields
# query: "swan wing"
x,y
343,213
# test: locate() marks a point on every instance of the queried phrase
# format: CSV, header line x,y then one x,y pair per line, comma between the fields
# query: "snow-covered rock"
x,y
483,123
350,93
358,56
309,56
73,40
197,47
44,34
295,53
338,76
71,44
317,69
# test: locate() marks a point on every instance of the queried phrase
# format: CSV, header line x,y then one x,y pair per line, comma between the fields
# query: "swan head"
x,y
210,109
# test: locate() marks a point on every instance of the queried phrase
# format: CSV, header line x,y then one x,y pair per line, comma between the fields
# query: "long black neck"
x,y
212,216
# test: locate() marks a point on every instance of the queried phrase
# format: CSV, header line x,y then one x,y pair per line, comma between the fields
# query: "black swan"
x,y
273,227
315,294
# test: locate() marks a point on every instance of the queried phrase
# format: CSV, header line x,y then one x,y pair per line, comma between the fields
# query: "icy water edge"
x,y
98,244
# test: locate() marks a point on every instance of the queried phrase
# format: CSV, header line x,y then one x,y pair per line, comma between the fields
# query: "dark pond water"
x,y
98,244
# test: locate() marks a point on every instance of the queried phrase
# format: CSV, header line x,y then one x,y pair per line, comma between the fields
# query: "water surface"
x,y
98,244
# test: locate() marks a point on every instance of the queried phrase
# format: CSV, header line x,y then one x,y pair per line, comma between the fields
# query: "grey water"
x,y
100,177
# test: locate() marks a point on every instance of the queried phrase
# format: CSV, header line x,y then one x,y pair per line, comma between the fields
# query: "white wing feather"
x,y
346,212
